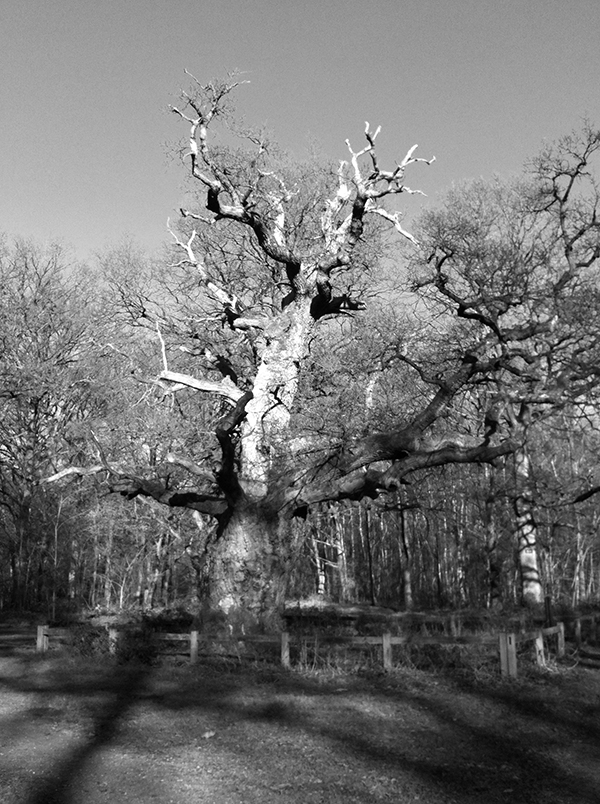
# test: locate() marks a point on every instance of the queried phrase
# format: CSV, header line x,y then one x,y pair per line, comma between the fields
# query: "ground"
x,y
76,730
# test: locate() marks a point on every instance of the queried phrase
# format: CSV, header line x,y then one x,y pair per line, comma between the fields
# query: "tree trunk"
x,y
526,529
579,580
406,553
494,569
265,429
108,566
247,566
247,574
14,577
346,593
95,560
365,522
319,563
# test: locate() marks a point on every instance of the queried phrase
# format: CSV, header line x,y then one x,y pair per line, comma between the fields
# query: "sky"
x,y
87,141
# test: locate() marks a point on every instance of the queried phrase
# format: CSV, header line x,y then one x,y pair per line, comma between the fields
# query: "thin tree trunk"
x,y
339,545
407,591
14,577
108,565
156,575
366,530
579,580
318,559
494,595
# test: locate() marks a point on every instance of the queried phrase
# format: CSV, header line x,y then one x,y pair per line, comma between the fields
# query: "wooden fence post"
x,y
42,639
508,654
560,650
503,650
285,649
539,649
113,640
193,647
386,641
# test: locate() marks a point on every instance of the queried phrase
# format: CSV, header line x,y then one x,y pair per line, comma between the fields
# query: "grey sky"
x,y
85,86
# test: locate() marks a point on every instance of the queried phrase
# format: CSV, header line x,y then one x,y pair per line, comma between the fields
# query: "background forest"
x,y
462,359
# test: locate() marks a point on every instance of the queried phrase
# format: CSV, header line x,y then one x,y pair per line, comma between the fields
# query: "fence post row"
x,y
507,645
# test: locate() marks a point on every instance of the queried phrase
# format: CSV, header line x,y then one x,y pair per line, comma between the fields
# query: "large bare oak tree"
x,y
273,254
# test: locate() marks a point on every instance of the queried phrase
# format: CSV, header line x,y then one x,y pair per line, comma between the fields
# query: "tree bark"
x,y
108,565
494,569
346,592
526,532
405,548
247,573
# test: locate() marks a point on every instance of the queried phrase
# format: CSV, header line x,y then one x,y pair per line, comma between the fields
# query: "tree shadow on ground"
x,y
105,694
494,742
510,737
469,753
466,743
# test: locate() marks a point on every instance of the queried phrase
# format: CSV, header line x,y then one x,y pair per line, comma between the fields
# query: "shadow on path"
x,y
112,691
486,743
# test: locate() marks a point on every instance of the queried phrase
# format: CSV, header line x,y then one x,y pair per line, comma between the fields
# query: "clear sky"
x,y
84,87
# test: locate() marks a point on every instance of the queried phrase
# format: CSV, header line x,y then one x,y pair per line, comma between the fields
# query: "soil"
x,y
76,730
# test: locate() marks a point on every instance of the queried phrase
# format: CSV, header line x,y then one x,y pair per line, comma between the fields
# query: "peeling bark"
x,y
265,430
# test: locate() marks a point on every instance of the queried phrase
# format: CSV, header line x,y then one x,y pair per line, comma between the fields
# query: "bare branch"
x,y
228,300
163,348
374,183
225,388
80,471
192,468
395,219
130,486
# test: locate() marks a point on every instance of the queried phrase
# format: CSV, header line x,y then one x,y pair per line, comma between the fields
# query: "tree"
x,y
48,379
279,254
516,263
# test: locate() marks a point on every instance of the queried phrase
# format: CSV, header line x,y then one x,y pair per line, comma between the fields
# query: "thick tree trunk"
x,y
247,574
247,567
265,429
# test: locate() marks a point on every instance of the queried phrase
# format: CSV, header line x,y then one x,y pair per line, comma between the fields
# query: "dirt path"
x,y
74,732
